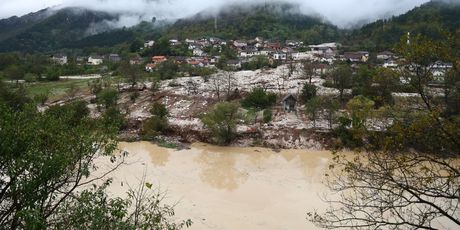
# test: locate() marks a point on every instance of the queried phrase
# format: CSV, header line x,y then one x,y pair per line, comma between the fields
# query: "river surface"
x,y
230,188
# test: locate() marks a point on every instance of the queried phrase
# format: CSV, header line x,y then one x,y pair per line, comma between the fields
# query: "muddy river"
x,y
230,188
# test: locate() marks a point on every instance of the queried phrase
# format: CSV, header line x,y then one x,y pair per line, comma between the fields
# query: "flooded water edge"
x,y
230,188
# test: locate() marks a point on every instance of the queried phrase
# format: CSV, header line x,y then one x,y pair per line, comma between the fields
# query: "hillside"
x,y
429,19
49,30
273,21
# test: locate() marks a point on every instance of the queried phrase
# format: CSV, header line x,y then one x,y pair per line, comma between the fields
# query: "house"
x,y
114,58
159,59
273,45
249,51
188,41
385,55
174,42
280,56
150,67
60,59
267,52
199,52
439,70
149,44
390,65
136,61
293,43
235,64
240,43
298,56
95,60
360,56
325,50
289,103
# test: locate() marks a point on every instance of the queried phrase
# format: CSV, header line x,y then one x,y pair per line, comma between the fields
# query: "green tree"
x,y
14,73
108,97
308,92
222,121
44,160
259,99
342,78
313,109
360,109
158,123
407,177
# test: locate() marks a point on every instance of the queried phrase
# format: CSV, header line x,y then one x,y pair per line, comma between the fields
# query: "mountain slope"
x,y
429,19
271,21
47,30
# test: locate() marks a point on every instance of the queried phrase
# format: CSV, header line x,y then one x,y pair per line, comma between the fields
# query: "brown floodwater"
x,y
230,188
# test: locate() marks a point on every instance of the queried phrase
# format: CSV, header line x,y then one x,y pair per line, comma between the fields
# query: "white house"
x,y
95,60
240,43
60,59
280,56
149,44
198,52
298,56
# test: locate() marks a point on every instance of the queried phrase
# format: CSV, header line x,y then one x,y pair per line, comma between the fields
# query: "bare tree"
x,y
217,84
409,175
191,87
308,70
230,82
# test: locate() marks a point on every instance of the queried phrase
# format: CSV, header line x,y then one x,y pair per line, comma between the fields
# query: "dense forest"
x,y
76,28
430,19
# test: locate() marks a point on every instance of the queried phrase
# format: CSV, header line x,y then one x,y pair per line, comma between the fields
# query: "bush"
x,y
108,97
158,123
259,99
268,115
308,92
112,117
221,122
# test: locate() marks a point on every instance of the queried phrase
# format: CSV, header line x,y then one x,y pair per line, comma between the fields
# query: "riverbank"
x,y
228,187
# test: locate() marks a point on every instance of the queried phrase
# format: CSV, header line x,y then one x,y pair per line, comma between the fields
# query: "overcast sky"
x,y
340,12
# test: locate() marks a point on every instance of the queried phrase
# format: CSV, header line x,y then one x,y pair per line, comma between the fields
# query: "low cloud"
x,y
343,13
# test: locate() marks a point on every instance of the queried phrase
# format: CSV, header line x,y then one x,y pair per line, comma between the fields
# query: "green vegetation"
x,y
158,123
271,21
409,178
221,121
430,19
259,99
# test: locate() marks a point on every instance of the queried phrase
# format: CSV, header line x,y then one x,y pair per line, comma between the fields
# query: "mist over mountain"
x,y
79,27
342,13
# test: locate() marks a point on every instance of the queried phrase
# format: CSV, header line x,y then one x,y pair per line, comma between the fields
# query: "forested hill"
x,y
49,30
273,21
429,19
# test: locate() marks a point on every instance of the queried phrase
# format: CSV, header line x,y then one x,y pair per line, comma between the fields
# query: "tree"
x,y
94,209
308,71
341,77
14,73
132,72
408,176
108,97
308,92
158,123
360,108
313,108
229,82
222,120
44,159
259,99
331,107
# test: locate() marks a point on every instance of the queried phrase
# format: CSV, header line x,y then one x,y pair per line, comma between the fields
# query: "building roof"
x,y
289,96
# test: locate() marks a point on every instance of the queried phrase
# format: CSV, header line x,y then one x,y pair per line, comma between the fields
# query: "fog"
x,y
343,13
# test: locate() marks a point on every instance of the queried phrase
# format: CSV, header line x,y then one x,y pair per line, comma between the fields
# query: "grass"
x,y
168,145
56,90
